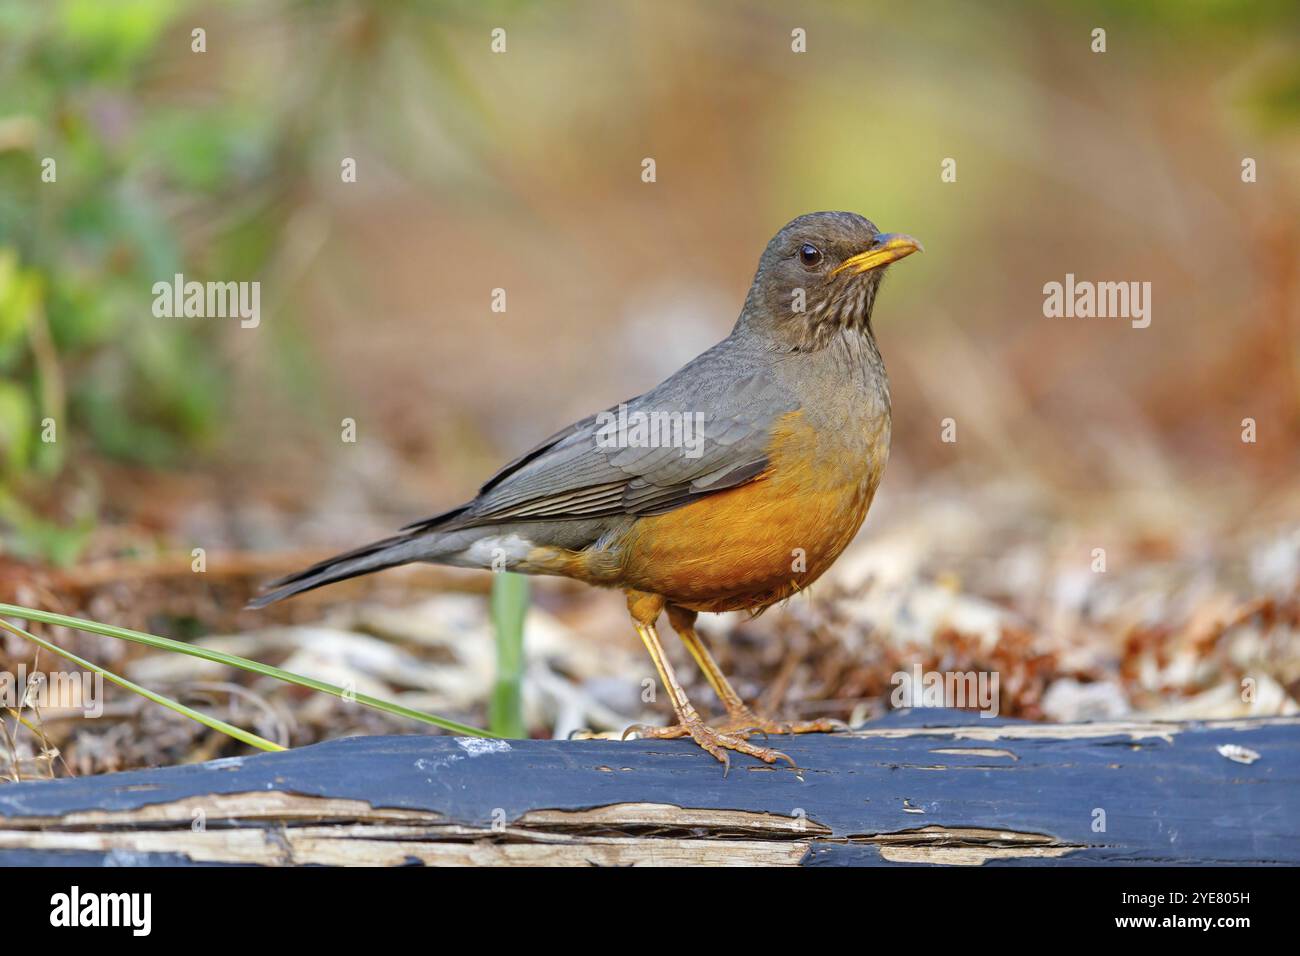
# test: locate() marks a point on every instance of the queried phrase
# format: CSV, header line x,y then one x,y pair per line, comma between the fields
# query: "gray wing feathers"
x,y
578,473
574,478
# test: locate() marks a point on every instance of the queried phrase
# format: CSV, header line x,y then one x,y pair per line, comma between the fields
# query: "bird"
x,y
730,486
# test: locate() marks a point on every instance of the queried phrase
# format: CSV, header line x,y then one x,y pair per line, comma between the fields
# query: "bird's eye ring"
x,y
810,255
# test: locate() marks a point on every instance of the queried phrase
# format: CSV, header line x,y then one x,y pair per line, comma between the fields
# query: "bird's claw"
x,y
715,742
745,723
718,744
647,732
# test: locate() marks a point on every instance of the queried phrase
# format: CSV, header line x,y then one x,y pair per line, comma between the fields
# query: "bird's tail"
x,y
388,553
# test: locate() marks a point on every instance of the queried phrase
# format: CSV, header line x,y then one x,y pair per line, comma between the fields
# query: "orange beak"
x,y
888,247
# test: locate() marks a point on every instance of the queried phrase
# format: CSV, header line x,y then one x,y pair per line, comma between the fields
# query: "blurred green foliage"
x,y
105,189
125,160
84,232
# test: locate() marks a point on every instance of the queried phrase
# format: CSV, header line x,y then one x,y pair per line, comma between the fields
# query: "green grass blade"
x,y
243,663
509,605
230,730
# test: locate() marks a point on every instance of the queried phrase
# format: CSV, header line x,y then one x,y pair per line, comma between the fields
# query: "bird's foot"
x,y
745,724
716,742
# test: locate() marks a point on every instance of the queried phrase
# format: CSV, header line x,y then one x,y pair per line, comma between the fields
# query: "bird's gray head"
x,y
818,276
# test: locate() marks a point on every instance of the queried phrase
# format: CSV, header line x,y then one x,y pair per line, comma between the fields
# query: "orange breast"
x,y
755,545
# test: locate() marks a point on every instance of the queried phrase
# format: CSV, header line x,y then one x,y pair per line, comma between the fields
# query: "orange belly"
x,y
752,546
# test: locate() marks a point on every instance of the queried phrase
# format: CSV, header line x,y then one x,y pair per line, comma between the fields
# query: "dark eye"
x,y
809,255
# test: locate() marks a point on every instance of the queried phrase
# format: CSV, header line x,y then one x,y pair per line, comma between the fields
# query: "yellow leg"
x,y
684,709
683,622
741,720
689,722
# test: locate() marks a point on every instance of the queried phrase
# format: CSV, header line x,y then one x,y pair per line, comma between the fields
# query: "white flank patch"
x,y
489,552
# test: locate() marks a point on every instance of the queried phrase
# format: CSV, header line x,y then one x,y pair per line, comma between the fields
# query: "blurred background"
x,y
521,170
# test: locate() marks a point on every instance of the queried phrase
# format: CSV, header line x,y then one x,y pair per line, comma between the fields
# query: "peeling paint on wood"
x,y
975,752
630,816
887,794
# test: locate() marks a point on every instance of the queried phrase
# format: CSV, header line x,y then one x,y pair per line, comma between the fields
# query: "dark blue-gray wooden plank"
x,y
1174,800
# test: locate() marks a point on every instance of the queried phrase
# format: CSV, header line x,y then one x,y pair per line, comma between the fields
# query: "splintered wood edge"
x,y
388,845
1134,730
290,847
975,752
940,836
969,855
336,832
650,815
251,806
965,846
281,806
